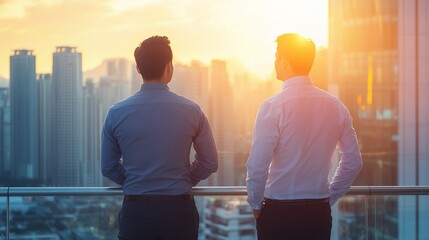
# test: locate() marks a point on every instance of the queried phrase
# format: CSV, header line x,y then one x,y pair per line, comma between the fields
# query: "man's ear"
x,y
170,67
283,62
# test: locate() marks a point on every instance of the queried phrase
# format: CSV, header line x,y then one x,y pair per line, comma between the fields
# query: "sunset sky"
x,y
198,29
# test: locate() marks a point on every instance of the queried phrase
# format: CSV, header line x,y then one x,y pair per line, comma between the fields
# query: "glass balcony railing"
x,y
366,212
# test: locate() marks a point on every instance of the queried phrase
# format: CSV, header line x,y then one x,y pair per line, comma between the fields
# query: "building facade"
x,y
92,135
24,115
45,129
378,52
68,116
364,61
222,122
413,154
227,219
5,163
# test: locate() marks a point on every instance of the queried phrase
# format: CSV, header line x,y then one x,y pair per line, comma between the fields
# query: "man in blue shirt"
x,y
146,143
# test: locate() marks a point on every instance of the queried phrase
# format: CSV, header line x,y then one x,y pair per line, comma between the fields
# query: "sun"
x,y
306,17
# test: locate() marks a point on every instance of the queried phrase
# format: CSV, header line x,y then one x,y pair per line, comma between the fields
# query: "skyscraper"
x,y
363,54
91,164
364,60
413,137
24,114
68,116
45,128
378,51
5,163
222,121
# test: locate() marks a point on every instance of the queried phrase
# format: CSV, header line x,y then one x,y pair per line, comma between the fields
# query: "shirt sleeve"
x,y
350,161
206,158
111,164
265,139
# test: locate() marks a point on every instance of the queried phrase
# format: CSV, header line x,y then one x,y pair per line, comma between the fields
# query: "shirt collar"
x,y
298,80
154,86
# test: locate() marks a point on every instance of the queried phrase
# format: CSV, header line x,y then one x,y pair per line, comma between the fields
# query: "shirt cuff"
x,y
255,206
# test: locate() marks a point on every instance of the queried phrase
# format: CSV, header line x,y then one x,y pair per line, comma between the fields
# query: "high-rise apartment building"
x,y
5,163
45,129
24,115
68,116
92,134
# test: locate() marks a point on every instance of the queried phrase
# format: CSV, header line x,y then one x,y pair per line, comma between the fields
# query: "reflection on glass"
x,y
3,217
85,217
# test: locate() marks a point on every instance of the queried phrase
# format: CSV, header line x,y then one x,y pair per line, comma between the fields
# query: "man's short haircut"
x,y
298,51
152,55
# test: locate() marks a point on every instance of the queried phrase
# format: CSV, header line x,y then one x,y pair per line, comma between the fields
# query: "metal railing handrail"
x,y
9,192
197,191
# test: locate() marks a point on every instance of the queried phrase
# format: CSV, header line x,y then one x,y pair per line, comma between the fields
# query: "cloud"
x,y
12,10
18,8
98,30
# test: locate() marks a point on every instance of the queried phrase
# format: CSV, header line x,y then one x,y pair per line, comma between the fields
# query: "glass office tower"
x,y
378,54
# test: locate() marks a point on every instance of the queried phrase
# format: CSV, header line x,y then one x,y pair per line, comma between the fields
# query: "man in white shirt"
x,y
295,134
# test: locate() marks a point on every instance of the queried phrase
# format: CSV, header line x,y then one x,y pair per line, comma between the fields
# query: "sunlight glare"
x,y
306,17
199,30
123,5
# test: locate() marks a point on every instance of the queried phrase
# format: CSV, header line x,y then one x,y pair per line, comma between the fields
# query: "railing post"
x,y
7,214
366,217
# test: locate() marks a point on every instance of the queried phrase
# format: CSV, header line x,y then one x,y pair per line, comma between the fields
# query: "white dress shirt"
x,y
295,135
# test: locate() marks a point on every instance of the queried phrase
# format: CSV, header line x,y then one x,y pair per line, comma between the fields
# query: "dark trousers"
x,y
160,220
311,221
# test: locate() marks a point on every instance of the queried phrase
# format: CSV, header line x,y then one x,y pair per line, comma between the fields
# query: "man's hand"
x,y
256,213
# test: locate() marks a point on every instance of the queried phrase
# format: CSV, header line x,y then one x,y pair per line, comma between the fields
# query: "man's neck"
x,y
293,75
154,81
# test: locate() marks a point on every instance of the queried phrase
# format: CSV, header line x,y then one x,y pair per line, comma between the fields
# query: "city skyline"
x,y
71,114
99,71
110,29
382,81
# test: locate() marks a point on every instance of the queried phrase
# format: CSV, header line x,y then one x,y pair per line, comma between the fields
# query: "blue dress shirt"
x,y
146,142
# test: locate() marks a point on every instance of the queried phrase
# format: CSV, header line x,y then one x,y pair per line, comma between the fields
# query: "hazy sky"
x,y
198,29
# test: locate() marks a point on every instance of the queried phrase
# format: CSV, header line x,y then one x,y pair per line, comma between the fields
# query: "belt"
x,y
158,198
296,201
